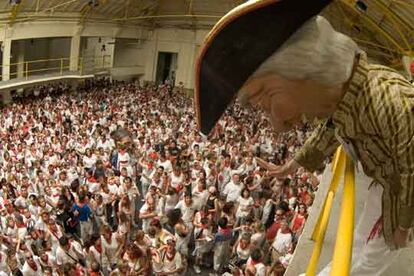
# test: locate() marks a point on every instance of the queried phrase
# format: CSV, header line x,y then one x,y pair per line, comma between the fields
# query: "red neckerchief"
x,y
226,231
54,233
287,231
253,262
23,225
98,248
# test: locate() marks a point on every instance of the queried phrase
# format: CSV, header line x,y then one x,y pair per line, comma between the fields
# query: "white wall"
x,y
129,59
92,54
66,29
185,43
143,60
59,47
46,48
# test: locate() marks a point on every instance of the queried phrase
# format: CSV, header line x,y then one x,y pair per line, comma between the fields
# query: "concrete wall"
x,y
93,54
66,29
129,59
59,47
185,43
40,49
141,60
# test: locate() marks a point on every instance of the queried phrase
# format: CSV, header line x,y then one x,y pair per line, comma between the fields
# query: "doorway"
x,y
166,68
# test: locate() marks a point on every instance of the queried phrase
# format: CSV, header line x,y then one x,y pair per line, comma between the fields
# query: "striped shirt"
x,y
376,116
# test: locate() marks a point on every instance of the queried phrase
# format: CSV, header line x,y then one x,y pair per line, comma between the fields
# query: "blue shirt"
x,y
84,212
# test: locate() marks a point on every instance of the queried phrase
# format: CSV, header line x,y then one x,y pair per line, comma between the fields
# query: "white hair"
x,y
314,52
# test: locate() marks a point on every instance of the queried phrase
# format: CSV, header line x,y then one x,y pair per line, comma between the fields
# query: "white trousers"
x,y
372,258
86,230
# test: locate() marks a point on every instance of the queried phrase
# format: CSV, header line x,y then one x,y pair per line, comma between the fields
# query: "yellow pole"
x,y
320,236
81,66
61,66
343,247
336,158
103,61
27,70
321,225
339,166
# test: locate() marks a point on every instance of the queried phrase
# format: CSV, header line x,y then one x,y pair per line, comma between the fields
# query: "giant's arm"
x,y
318,147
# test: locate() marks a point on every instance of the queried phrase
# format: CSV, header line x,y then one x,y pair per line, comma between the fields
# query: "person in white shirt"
x,y
31,266
199,195
68,252
245,206
177,178
147,213
170,260
111,248
282,242
187,209
89,159
255,264
105,143
165,163
233,189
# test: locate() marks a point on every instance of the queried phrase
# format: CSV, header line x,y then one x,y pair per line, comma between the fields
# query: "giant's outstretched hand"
x,y
278,171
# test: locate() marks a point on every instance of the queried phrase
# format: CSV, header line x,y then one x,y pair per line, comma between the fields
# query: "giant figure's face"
x,y
273,94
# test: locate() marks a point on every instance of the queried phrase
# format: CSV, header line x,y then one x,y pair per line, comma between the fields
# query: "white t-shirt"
x,y
62,256
145,221
109,249
113,189
170,265
232,191
199,198
176,180
89,162
282,242
244,204
27,270
186,211
98,256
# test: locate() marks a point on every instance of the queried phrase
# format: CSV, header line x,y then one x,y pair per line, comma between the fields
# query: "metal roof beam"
x,y
393,19
374,24
14,12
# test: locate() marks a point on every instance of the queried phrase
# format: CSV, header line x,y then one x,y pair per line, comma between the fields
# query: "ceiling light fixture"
x,y
15,2
361,6
93,3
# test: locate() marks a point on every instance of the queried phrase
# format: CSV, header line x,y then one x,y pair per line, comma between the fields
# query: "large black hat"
x,y
237,45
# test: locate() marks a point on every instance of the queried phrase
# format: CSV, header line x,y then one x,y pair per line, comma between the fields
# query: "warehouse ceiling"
x,y
385,28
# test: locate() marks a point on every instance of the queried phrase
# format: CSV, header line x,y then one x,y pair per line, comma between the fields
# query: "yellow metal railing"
x,y
343,247
26,69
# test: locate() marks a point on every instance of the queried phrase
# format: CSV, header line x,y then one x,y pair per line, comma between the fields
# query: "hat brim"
x,y
237,45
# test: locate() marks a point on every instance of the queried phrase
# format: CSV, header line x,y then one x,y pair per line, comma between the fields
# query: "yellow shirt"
x,y
376,115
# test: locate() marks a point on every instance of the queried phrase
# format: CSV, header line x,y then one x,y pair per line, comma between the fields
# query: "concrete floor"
x,y
404,265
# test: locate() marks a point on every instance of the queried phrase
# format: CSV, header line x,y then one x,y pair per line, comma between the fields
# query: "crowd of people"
x,y
113,179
